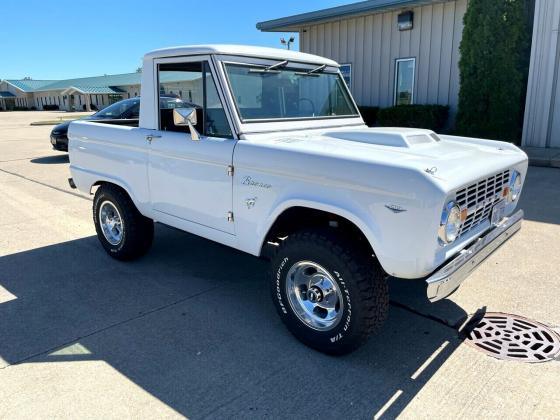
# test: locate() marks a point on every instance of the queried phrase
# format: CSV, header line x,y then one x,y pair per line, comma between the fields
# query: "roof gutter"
x,y
297,21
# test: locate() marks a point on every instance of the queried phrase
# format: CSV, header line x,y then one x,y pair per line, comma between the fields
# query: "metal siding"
x,y
336,41
375,82
344,43
423,64
435,53
446,53
372,43
367,76
386,63
321,40
542,114
359,52
328,40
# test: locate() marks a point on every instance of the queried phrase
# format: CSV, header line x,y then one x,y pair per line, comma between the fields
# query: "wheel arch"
x,y
116,183
295,215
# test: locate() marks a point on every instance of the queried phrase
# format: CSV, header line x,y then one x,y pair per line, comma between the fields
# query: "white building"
x,y
84,94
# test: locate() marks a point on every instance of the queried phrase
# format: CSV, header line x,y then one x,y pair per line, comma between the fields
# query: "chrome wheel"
x,y
111,223
314,295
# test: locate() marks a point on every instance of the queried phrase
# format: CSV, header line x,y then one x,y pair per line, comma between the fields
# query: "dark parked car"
x,y
124,112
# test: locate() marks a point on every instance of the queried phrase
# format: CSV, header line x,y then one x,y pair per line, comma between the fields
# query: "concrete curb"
x,y
546,157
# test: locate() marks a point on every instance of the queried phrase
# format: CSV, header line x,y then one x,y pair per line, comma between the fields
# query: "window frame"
x,y
215,77
397,62
349,65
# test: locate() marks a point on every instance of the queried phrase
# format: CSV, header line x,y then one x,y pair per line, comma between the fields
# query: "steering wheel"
x,y
310,101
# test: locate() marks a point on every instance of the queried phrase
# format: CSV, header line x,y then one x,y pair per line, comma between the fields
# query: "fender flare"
x,y
359,219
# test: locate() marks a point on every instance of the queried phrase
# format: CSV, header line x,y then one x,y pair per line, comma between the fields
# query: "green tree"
x,y
494,67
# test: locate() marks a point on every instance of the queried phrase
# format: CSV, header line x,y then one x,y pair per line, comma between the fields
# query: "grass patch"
x,y
68,117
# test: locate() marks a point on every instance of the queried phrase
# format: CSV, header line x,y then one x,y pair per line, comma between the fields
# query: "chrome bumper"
x,y
445,280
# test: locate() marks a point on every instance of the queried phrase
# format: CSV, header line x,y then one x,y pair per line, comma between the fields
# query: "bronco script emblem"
x,y
251,182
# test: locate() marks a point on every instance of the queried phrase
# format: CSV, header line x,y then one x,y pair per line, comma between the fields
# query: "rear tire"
x,y
123,232
328,291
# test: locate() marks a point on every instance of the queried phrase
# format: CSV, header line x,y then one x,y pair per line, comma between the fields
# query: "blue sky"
x,y
57,39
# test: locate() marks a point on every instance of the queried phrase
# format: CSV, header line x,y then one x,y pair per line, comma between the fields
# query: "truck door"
x,y
190,179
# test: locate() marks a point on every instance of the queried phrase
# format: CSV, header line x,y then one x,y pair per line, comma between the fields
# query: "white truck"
x,y
274,159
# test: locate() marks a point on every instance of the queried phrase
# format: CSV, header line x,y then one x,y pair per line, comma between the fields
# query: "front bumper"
x,y
450,276
59,143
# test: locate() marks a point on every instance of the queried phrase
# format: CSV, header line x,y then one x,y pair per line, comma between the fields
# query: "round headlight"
x,y
514,186
450,223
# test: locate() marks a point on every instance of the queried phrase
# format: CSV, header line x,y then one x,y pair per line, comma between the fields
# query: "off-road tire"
x,y
359,276
138,232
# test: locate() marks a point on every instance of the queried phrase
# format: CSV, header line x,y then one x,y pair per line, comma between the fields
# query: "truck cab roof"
x,y
240,50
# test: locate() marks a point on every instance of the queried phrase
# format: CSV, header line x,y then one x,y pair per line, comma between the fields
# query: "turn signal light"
x,y
505,192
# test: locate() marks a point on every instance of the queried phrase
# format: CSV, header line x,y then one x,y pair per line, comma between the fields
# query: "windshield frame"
x,y
291,66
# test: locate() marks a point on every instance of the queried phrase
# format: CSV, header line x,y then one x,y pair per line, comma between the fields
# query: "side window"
x,y
134,111
191,85
404,81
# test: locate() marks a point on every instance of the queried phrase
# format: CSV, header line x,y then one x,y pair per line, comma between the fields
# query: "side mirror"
x,y
186,116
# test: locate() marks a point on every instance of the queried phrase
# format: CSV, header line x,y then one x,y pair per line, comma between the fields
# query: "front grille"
x,y
479,198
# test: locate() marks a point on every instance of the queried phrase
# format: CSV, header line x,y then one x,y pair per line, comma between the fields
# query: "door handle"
x,y
150,137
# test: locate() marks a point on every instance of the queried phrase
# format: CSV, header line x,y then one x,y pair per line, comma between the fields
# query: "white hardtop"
x,y
240,50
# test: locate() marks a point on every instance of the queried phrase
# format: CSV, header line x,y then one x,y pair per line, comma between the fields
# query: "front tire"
x,y
328,291
123,232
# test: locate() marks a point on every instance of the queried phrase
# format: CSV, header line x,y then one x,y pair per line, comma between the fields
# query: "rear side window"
x,y
193,84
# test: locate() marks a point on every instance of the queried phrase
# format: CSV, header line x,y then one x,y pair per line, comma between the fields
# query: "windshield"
x,y
284,93
119,109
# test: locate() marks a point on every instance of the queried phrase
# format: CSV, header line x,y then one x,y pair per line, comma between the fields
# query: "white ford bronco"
x,y
272,157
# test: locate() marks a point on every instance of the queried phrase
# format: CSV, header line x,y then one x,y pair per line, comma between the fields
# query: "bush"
x,y
494,66
369,114
433,117
21,108
50,107
33,108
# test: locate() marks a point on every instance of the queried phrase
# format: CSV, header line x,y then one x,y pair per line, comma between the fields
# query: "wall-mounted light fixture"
x,y
406,21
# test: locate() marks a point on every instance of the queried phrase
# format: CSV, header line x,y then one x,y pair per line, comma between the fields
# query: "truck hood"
x,y
453,161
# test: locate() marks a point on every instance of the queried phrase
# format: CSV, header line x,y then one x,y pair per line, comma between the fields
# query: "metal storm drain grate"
x,y
512,337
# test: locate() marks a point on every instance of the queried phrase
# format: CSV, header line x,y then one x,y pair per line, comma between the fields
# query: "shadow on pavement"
x,y
50,160
193,325
540,198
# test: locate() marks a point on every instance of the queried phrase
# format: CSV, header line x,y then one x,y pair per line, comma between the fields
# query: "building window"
x,y
404,81
346,71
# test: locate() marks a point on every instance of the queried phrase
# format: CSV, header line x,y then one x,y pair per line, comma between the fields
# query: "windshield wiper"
x,y
271,68
312,72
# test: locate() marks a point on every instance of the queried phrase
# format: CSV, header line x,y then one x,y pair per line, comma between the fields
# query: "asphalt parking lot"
x,y
189,330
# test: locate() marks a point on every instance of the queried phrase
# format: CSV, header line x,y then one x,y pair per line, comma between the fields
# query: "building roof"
x,y
26,85
98,82
92,90
295,22
106,84
4,94
241,50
